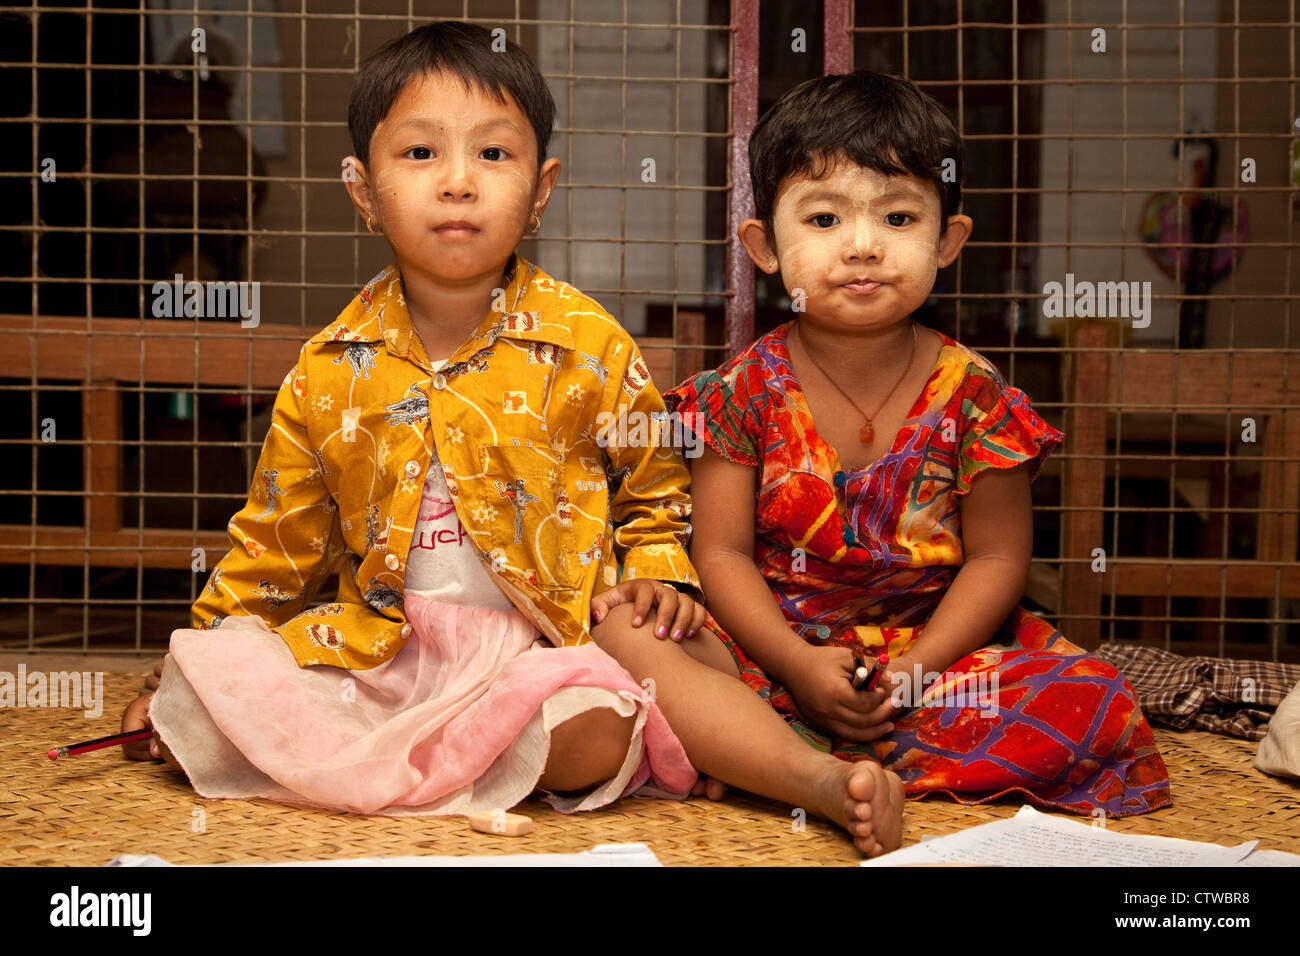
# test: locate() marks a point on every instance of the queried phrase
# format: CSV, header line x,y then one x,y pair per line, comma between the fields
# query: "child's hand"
x,y
136,717
821,684
679,615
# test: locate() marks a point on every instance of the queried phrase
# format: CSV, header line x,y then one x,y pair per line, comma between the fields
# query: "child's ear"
x,y
546,179
753,236
953,238
357,182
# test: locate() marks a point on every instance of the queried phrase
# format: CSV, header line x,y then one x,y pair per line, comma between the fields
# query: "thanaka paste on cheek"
x,y
524,198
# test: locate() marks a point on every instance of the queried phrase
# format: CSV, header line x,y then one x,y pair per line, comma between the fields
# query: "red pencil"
x,y
102,742
877,669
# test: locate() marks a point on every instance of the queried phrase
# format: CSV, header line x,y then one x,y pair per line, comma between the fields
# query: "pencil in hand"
x,y
866,678
878,670
861,673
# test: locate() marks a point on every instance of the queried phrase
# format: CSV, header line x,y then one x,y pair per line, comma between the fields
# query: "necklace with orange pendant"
x,y
866,433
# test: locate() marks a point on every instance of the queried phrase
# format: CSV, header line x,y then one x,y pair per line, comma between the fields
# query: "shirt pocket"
x,y
530,521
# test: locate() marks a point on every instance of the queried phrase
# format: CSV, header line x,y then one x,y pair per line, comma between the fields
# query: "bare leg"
x,y
731,734
586,750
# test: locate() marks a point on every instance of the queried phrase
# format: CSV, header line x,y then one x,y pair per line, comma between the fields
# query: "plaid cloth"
x,y
1224,696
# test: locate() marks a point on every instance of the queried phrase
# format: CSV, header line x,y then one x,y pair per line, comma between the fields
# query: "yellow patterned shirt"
x,y
524,417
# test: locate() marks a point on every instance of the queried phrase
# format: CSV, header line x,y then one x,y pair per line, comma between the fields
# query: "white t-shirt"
x,y
442,565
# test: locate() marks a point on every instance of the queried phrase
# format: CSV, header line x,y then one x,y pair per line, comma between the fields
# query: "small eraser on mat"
x,y
500,822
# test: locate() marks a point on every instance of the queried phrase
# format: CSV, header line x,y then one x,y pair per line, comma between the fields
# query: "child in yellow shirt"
x,y
442,441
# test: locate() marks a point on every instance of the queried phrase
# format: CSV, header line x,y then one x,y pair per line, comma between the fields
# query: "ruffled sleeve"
x,y
999,428
721,408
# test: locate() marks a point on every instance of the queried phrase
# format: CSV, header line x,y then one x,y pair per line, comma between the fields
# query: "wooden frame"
x,y
1100,379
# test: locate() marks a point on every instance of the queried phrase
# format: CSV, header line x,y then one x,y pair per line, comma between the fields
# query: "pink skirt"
x,y
458,720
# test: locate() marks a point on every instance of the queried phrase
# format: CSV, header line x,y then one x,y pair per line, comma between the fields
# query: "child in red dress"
x,y
865,487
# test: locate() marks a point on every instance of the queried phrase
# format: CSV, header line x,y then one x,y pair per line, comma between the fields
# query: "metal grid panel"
x,y
134,439
1065,145
1084,124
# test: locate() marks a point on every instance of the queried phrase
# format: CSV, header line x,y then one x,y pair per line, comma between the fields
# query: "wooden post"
x,y
101,421
690,331
1088,381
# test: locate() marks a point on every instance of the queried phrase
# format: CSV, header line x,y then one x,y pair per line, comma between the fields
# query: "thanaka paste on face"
x,y
817,261
405,193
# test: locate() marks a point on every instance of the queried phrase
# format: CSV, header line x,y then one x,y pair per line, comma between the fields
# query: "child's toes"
x,y
860,828
858,810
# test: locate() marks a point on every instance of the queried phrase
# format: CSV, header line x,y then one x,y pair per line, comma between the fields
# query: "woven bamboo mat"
x,y
86,810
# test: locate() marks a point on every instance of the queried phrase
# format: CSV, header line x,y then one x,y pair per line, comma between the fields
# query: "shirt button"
x,y
440,381
392,562
840,479
406,630
412,468
849,538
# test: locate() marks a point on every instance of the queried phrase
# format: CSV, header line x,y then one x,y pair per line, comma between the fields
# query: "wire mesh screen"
x,y
1131,170
200,141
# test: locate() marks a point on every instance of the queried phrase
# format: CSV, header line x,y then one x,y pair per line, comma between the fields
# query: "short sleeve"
x,y
999,429
716,407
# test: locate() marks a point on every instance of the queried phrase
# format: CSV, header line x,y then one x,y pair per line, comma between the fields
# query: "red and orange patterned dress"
x,y
862,558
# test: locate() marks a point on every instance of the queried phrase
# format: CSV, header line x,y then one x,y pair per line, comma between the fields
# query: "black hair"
x,y
461,49
881,122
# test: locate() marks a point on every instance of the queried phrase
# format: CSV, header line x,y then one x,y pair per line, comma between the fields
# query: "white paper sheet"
x,y
1271,858
606,854
1031,838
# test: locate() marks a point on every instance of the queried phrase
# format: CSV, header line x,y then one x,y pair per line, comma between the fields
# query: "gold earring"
x,y
370,226
538,220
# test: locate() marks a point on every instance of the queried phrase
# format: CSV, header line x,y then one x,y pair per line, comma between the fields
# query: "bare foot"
x,y
867,801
